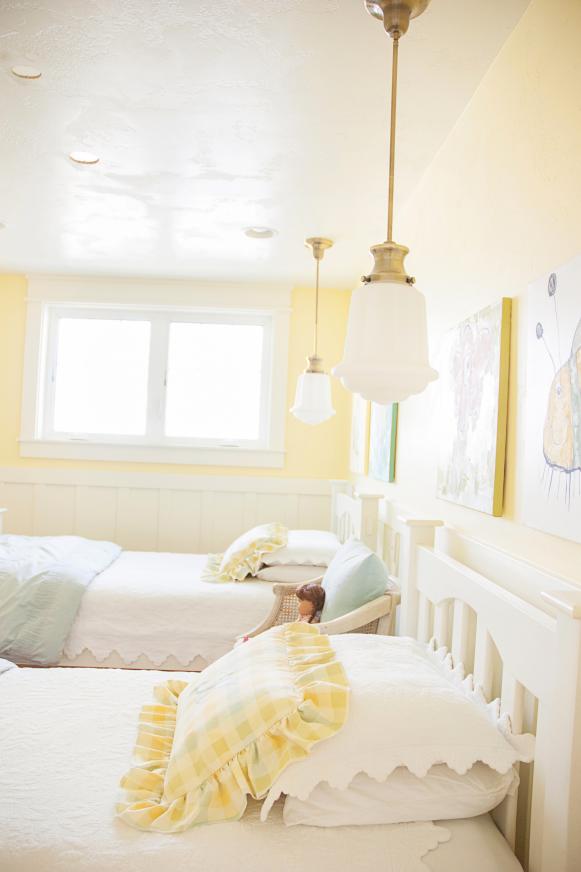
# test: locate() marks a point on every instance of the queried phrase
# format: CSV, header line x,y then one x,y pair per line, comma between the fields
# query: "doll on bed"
x,y
311,601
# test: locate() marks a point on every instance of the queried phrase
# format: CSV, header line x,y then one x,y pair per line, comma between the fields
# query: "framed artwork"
x,y
383,441
472,410
359,435
550,483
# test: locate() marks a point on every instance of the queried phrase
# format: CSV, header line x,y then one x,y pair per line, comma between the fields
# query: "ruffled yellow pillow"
x,y
244,556
230,732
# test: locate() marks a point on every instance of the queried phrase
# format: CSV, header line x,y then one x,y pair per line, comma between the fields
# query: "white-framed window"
x,y
152,383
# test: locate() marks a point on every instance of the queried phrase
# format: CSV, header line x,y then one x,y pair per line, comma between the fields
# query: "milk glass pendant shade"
x,y
385,357
313,403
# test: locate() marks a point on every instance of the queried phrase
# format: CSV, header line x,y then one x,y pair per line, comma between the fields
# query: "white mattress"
x,y
151,610
66,738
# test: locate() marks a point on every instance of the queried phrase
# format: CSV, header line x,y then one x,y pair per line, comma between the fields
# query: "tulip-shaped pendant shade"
x,y
385,357
313,403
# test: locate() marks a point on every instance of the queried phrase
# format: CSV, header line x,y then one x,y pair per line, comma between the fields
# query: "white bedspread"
x,y
66,738
154,605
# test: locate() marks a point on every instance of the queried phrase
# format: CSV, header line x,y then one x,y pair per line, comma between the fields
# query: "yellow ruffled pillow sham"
x,y
244,556
209,743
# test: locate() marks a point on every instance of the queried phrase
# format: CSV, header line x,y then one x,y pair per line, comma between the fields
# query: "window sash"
x,y
160,321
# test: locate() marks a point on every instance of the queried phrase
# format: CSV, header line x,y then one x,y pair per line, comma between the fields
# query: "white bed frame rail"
x,y
484,624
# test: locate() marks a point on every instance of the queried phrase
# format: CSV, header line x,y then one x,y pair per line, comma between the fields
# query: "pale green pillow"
x,y
354,577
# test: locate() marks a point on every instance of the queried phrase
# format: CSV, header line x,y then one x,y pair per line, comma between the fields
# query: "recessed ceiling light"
x,y
23,72
84,157
259,232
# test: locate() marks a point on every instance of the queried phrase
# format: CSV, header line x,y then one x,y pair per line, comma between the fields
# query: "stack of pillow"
x,y
306,556
352,575
419,744
270,552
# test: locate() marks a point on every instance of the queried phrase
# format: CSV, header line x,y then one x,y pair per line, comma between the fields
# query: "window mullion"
x,y
157,378
48,377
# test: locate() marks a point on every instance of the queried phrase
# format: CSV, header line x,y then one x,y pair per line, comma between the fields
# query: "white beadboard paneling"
x,y
223,519
313,513
157,511
278,507
54,510
137,519
179,521
96,512
18,499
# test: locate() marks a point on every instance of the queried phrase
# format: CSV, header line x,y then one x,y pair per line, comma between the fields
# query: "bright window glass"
x,y
214,381
101,376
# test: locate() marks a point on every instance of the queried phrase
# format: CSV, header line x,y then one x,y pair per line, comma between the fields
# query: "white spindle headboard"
x,y
354,514
526,653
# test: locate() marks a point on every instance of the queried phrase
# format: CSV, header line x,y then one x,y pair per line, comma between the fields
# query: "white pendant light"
x,y
385,358
313,403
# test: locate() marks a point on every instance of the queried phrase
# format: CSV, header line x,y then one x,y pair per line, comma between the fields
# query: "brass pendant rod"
x,y
395,36
317,306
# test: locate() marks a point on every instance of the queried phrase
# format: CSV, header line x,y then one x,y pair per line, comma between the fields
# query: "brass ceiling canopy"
x,y
396,14
318,245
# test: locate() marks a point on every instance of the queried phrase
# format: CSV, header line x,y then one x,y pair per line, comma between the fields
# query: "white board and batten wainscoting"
x,y
149,512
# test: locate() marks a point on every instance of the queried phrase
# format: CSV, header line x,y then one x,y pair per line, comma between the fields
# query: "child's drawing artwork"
x,y
551,480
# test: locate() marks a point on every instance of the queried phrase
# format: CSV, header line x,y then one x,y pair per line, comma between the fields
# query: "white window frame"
x,y
45,309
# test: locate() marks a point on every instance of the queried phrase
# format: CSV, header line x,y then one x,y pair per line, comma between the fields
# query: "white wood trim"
x,y
157,292
47,292
182,455
171,481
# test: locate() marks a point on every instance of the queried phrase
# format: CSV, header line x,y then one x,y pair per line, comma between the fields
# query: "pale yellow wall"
x,y
312,452
499,207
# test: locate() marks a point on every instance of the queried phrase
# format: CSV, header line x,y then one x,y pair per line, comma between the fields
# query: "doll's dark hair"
x,y
313,593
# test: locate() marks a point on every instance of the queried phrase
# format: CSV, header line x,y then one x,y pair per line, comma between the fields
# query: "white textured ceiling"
x,y
209,117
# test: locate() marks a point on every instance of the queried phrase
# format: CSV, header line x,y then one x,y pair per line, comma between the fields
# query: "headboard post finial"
x,y
413,533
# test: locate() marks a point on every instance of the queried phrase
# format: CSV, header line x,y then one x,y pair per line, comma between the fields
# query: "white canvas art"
x,y
359,427
550,481
473,389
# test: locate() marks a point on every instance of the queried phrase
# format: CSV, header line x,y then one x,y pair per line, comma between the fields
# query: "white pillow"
x,y
246,553
407,708
291,573
442,794
311,547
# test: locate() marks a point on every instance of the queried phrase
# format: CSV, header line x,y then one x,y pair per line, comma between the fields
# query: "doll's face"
x,y
306,608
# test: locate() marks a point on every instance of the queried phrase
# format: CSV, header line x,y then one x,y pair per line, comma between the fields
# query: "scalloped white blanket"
x,y
153,605
68,734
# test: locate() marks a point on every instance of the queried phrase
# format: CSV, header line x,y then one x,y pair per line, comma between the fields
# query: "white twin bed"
x,y
67,736
150,610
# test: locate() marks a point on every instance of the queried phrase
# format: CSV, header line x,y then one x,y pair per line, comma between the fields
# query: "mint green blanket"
x,y
42,582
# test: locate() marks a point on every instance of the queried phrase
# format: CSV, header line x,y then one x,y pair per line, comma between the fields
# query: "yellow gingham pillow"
x,y
231,731
244,556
